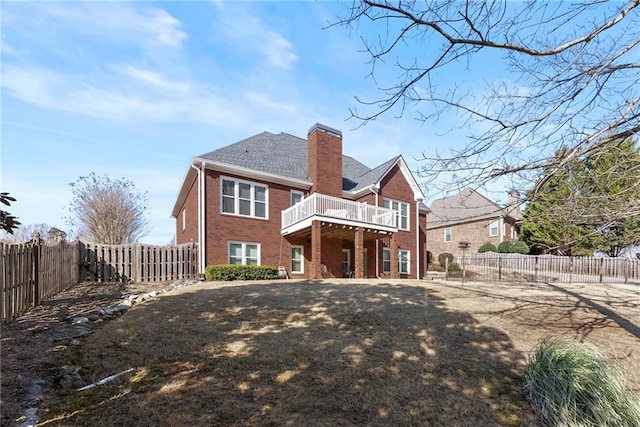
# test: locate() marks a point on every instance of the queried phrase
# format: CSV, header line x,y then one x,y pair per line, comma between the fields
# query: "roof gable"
x,y
468,205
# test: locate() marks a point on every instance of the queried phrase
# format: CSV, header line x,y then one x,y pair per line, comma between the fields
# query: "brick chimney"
x,y
325,160
513,204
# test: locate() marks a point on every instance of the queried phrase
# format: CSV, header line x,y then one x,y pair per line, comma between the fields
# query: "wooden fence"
x,y
33,271
138,262
492,266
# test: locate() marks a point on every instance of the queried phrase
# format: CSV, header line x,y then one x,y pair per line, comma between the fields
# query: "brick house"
x,y
471,217
280,200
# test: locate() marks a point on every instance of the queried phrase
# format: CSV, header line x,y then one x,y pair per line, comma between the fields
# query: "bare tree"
x,y
576,80
108,211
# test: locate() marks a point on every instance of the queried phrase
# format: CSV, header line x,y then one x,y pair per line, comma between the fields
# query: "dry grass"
x,y
338,353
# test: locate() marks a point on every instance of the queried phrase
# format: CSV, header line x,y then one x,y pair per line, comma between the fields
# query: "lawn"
x,y
338,353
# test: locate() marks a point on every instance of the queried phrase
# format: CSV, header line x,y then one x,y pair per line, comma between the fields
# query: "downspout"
x,y
417,239
199,221
202,213
375,191
501,228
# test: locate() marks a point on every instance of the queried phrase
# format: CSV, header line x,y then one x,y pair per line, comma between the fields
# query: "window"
x,y
493,228
244,198
386,260
402,209
403,261
296,196
242,253
297,259
447,234
184,219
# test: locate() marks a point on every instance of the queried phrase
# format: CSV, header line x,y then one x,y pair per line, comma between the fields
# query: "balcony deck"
x,y
337,211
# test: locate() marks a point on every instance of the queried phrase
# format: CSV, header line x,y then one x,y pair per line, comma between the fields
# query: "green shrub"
x,y
505,247
443,256
487,247
453,266
241,272
520,247
572,384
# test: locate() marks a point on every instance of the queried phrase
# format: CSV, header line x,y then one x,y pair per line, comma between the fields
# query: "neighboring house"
x,y
470,217
280,200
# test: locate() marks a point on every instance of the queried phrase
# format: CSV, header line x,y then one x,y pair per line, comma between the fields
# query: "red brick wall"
x,y
190,232
395,186
325,163
475,232
222,228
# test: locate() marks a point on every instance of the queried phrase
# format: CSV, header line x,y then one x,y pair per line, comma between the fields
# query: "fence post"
x,y
499,268
535,277
571,269
37,251
600,269
137,264
446,268
626,270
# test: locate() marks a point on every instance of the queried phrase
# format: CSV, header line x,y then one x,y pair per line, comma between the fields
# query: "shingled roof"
x,y
286,155
468,205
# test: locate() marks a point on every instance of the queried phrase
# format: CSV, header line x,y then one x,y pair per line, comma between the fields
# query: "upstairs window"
x,y
447,235
244,198
296,196
402,210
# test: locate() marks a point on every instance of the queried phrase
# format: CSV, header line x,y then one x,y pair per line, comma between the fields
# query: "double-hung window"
x,y
386,260
447,234
243,253
402,210
244,198
493,228
403,261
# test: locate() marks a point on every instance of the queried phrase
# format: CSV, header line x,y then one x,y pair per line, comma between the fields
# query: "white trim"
x,y
418,252
301,271
244,251
236,197
265,176
184,219
450,235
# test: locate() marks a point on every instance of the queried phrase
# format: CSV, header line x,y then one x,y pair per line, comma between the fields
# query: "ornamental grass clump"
x,y
574,384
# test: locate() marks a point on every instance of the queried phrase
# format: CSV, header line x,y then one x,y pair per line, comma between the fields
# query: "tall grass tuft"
x,y
574,384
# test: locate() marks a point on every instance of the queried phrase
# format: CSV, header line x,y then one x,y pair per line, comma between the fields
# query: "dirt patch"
x,y
342,353
34,343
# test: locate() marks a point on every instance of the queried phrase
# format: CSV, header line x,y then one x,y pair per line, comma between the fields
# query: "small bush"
x,y
487,247
453,266
241,272
505,247
573,384
520,247
443,256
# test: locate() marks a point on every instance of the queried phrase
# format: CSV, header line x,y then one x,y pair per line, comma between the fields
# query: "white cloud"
x,y
152,79
250,32
152,25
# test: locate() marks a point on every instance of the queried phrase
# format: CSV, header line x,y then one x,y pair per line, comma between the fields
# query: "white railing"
x,y
334,207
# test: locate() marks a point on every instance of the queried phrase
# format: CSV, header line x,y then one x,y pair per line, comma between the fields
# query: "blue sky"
x,y
136,89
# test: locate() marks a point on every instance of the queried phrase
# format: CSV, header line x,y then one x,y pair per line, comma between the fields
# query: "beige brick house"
x,y
471,217
281,200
